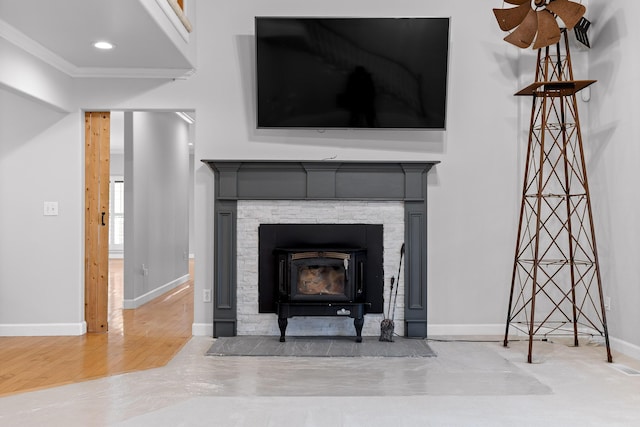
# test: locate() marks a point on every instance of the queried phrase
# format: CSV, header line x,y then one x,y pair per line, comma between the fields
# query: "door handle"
x,y
103,214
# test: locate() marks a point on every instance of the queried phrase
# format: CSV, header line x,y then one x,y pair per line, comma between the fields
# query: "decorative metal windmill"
x,y
556,285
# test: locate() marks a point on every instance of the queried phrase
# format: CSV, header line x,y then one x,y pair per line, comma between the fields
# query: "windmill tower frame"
x,y
556,287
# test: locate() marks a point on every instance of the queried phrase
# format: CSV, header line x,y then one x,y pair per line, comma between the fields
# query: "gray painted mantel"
x,y
320,180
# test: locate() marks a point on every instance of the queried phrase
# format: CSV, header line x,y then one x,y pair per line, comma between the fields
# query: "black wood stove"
x,y
320,270
321,282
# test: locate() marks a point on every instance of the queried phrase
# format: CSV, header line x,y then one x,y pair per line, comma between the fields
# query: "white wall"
x,y
116,136
613,150
473,194
33,78
116,164
156,241
41,257
192,228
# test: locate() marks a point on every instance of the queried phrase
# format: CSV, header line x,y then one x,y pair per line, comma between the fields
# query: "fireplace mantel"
x,y
320,180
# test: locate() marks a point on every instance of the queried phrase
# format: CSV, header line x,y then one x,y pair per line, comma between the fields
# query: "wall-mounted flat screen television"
x,y
324,73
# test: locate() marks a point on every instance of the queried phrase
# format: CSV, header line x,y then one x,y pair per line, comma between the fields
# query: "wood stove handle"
x,y
281,277
360,278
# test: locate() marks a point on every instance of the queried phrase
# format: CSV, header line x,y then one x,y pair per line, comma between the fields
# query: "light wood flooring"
x,y
147,337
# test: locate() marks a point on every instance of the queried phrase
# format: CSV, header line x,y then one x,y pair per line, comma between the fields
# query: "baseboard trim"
x,y
462,329
202,329
617,345
143,299
43,329
625,348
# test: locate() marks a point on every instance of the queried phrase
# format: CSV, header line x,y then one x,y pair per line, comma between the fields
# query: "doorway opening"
x,y
133,276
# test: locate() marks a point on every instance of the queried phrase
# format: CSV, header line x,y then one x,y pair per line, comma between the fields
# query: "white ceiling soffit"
x,y
62,34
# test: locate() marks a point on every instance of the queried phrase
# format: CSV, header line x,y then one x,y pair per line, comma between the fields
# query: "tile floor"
x,y
467,384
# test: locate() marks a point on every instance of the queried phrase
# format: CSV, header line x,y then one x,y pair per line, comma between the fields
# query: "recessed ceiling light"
x,y
103,45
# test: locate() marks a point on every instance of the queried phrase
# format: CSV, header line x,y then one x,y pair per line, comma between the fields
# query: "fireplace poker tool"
x,y
387,325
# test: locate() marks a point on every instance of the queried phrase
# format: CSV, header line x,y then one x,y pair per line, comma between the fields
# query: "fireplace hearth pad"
x,y
355,310
315,346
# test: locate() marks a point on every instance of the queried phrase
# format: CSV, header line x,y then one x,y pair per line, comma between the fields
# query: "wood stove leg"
x,y
282,323
358,322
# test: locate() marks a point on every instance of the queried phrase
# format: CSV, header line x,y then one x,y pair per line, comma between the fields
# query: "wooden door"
x,y
96,284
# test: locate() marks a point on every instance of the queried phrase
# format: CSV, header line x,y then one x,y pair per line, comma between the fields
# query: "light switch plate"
x,y
50,208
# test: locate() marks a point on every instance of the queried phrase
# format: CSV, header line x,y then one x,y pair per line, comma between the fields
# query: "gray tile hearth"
x,y
319,347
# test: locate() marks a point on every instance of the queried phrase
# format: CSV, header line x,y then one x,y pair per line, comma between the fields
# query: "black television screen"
x,y
323,73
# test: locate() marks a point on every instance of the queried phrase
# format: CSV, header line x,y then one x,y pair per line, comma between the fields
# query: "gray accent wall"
x,y
319,180
156,205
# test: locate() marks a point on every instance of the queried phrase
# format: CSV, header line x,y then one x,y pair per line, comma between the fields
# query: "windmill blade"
x,y
524,34
508,19
517,2
570,12
548,30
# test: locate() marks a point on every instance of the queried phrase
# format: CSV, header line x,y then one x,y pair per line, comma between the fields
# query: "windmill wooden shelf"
x,y
557,88
556,287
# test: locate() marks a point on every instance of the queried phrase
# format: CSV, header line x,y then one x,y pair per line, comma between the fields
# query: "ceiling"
x,y
65,31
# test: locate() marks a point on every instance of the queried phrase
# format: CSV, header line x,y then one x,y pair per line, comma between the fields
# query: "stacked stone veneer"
x,y
252,213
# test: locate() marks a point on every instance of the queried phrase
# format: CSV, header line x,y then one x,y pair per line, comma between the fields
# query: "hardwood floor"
x,y
147,337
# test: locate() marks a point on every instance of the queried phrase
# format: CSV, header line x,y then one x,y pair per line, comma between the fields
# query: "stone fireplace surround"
x,y
253,213
337,182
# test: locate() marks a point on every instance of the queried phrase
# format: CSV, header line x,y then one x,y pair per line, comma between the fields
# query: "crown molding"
x,y
133,73
18,38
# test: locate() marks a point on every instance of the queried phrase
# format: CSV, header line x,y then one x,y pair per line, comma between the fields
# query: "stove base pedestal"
x,y
286,310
